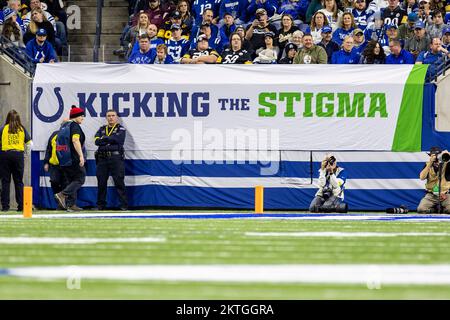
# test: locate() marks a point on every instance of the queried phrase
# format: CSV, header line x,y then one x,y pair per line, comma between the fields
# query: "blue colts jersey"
x,y
362,18
199,6
177,49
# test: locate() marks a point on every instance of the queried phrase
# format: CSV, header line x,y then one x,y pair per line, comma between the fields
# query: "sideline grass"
x,y
217,241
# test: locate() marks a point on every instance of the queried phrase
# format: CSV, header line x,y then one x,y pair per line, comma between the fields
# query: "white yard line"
x,y
347,234
46,240
344,274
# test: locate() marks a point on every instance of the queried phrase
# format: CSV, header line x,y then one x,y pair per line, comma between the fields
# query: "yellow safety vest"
x,y
13,141
54,158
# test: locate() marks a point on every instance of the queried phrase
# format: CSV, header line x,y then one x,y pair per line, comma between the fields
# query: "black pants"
x,y
75,176
111,166
12,164
57,179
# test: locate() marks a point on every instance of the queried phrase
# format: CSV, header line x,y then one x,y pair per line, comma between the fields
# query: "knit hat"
x,y
76,112
8,13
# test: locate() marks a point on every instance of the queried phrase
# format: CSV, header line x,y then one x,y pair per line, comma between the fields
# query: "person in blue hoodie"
x,y
346,55
40,50
145,55
162,56
236,8
270,6
346,27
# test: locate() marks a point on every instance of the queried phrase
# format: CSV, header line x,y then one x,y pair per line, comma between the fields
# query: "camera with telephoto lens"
x,y
335,206
441,156
400,210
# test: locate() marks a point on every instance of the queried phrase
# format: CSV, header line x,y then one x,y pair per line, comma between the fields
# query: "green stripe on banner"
x,y
408,132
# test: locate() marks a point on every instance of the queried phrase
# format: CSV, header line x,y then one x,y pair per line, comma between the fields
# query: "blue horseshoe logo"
x,y
38,113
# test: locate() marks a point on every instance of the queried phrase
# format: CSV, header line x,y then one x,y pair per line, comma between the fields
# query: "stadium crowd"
x,y
287,31
252,31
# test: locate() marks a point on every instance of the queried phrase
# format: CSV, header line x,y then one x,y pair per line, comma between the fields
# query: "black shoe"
x,y
123,208
120,52
19,209
98,208
5,209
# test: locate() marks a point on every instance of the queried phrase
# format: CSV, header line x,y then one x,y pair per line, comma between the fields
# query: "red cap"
x,y
76,112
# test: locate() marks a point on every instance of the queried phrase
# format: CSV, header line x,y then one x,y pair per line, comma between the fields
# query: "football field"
x,y
224,255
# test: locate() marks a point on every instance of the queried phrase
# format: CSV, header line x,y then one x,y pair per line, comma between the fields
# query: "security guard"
x,y
110,159
51,165
14,141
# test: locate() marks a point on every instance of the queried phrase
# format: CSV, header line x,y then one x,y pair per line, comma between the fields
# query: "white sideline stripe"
x,y
346,234
287,155
348,274
44,240
356,217
233,182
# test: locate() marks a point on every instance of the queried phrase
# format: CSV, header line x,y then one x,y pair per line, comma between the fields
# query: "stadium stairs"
x,y
114,19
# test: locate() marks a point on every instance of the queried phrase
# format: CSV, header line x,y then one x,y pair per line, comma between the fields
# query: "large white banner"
x,y
254,107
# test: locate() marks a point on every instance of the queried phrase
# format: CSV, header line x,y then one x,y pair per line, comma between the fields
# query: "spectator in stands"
x,y
376,30
145,55
255,6
391,34
135,32
290,50
406,30
297,39
295,8
40,50
360,41
258,28
434,29
235,54
269,49
215,42
425,12
398,55
246,45
11,29
446,38
39,21
346,27
186,19
410,6
227,29
236,8
200,6
152,30
327,42
208,19
346,55
36,4
310,53
56,9
176,45
435,56
203,54
59,26
393,13
175,18
319,20
284,35
15,6
420,41
161,55
373,54
360,14
313,7
333,14
156,13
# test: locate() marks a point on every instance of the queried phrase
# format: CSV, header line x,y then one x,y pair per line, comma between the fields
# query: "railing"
x,y
98,29
440,68
18,55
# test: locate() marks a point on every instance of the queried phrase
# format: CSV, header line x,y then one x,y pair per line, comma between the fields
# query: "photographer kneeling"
x,y
330,196
435,197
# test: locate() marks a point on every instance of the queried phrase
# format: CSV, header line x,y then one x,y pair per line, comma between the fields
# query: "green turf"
x,y
217,241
